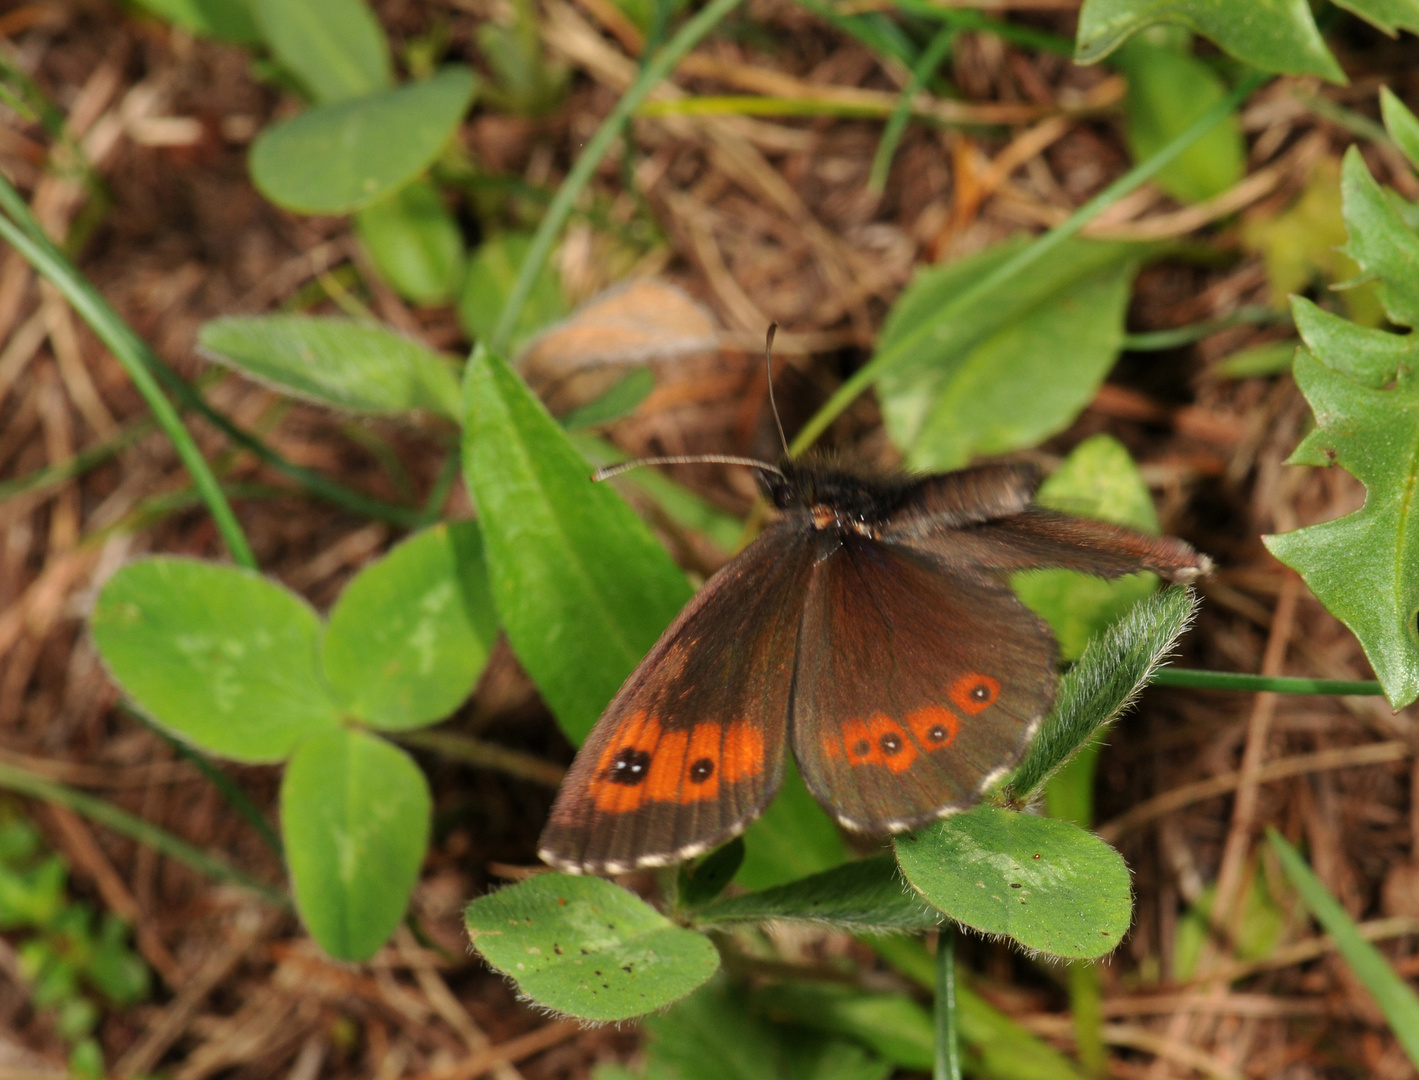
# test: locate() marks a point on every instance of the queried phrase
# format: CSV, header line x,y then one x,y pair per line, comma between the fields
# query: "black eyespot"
x,y
630,767
980,692
862,748
891,743
936,733
701,770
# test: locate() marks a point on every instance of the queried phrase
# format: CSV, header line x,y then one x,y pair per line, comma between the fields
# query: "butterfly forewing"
x,y
691,749
917,683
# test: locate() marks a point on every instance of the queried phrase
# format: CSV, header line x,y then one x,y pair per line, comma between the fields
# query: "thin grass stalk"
x,y
685,39
947,1065
145,832
925,67
1193,679
130,351
1042,246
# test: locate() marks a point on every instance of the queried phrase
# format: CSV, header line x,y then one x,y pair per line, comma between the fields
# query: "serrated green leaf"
x,y
1168,90
1019,369
355,825
1273,35
1380,241
410,634
1391,16
415,242
1115,667
860,896
336,158
1047,884
222,20
1402,125
582,587
491,273
1097,480
338,362
221,657
588,948
1364,567
336,48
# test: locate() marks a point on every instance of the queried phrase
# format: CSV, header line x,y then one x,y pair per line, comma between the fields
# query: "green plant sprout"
x,y
70,963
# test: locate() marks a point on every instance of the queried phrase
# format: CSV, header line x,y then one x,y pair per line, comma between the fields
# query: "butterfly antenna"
x,y
608,471
769,368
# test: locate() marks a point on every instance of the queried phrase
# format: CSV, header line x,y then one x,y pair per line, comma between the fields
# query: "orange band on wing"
x,y
879,740
643,764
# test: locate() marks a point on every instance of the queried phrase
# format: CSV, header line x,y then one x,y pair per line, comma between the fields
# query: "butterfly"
x,y
872,628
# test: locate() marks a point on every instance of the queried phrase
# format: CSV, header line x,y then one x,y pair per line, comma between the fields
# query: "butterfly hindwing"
x,y
691,748
917,683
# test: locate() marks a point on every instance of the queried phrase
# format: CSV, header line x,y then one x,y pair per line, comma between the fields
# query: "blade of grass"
x,y
76,466
685,39
1395,997
1042,246
128,349
873,29
1193,679
145,832
1254,315
947,1065
235,796
925,67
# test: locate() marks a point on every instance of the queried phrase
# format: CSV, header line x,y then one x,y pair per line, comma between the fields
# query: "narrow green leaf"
x,y
492,273
1391,16
221,20
1402,125
410,634
221,657
714,1035
336,48
997,1047
701,882
415,242
1275,35
1395,997
620,400
860,896
1380,240
355,820
1115,667
1097,480
337,362
1168,89
588,948
793,839
1047,884
582,587
1018,367
678,503
892,1024
1259,361
336,158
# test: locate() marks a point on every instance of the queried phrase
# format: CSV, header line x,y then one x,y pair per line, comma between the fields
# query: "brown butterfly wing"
x,y
918,682
1036,539
690,750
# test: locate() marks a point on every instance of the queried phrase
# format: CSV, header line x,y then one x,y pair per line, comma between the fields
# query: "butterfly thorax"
x,y
834,497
